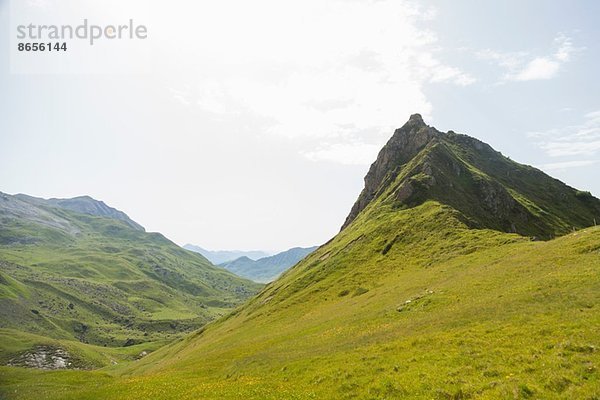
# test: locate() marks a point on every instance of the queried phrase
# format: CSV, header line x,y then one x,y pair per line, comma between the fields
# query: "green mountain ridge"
x,y
93,276
420,163
437,287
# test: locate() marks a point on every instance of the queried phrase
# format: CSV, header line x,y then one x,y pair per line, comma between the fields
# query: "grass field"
x,y
446,313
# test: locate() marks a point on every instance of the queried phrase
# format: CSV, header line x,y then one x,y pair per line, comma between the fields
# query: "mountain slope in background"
x,y
84,205
434,288
78,270
267,269
221,256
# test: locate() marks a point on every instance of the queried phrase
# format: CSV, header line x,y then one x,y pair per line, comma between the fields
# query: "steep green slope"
x,y
423,295
267,269
102,280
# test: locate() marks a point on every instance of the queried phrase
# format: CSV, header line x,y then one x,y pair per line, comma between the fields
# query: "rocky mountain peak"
x,y
405,143
420,163
416,119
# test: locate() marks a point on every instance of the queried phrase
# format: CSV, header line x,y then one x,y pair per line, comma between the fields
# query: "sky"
x,y
250,125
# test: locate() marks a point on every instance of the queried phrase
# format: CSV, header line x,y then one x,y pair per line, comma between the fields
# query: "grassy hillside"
x,y
445,312
101,281
435,288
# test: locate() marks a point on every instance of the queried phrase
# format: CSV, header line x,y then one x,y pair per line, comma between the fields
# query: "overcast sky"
x,y
250,124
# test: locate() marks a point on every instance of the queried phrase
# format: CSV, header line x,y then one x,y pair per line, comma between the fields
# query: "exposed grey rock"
x,y
142,354
43,357
487,189
401,148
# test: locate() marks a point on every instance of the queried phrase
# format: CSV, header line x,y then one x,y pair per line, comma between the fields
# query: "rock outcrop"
x,y
420,163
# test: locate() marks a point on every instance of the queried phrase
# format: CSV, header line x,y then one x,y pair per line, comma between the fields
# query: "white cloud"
x,y
567,165
506,60
345,153
308,68
429,14
212,97
565,48
524,66
538,69
43,4
433,70
571,148
575,140
181,96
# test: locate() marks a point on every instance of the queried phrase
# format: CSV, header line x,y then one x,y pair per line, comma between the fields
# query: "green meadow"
x,y
447,312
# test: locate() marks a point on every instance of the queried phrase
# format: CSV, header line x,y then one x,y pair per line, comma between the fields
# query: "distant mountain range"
x,y
221,256
267,269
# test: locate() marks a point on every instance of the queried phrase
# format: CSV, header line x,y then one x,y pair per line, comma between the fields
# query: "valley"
x,y
80,272
267,269
458,274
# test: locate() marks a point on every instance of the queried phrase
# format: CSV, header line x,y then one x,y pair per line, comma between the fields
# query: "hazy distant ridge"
x,y
221,256
267,269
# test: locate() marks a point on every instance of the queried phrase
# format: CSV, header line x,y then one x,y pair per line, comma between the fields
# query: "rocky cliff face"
x,y
420,163
405,144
